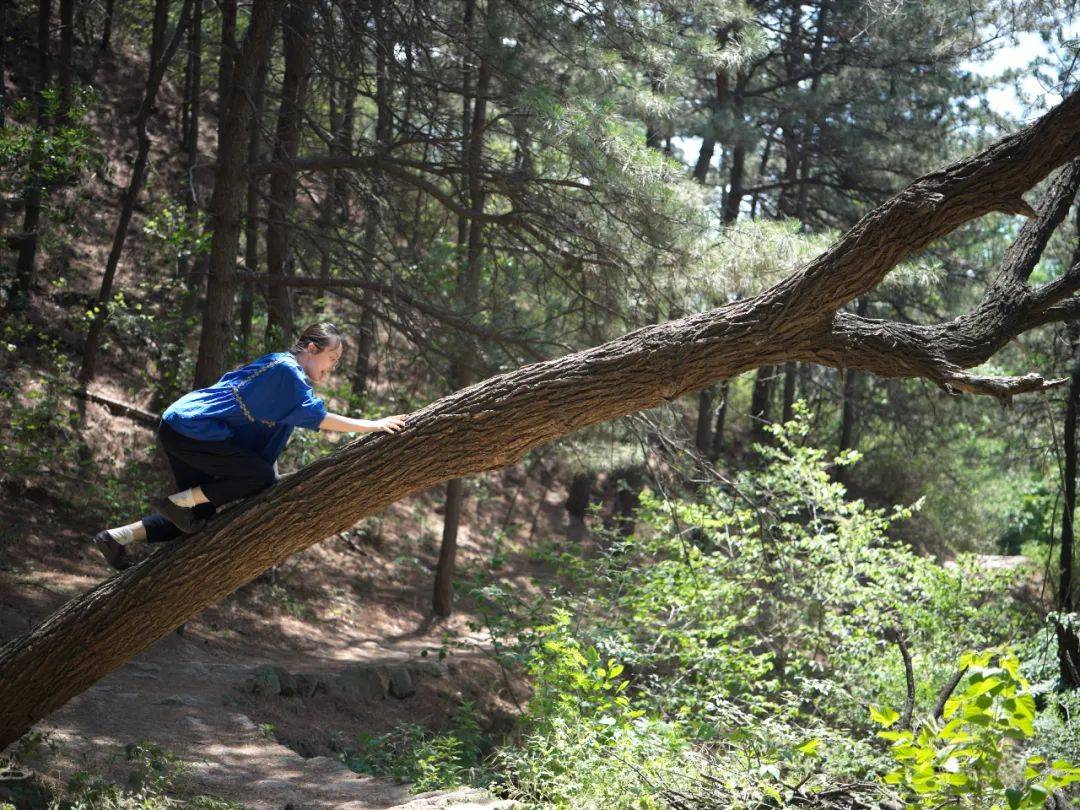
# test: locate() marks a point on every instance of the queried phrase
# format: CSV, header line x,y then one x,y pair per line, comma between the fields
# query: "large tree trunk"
x,y
279,320
494,423
226,203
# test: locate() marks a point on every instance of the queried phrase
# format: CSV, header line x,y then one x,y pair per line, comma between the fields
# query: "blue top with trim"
x,y
256,406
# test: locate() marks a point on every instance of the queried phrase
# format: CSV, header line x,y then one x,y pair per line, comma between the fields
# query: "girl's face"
x,y
318,365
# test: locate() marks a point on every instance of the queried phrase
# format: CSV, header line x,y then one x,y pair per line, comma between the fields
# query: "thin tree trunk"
x,y
760,405
228,51
718,430
27,241
847,410
66,72
226,203
703,433
789,391
251,220
295,30
1065,566
160,56
106,30
167,382
462,372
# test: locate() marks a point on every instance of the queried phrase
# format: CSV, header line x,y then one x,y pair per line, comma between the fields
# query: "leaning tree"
x,y
493,423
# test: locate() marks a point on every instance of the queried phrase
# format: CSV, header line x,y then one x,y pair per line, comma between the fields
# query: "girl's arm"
x,y
346,424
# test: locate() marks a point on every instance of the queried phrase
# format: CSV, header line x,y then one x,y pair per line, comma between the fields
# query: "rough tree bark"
x,y
495,422
294,32
226,204
470,237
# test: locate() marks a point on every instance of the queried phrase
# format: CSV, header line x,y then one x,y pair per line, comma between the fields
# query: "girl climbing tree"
x,y
223,441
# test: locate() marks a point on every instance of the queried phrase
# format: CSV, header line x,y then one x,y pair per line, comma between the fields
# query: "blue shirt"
x,y
256,406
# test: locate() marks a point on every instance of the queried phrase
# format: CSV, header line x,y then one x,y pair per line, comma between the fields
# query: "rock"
x,y
401,683
309,684
270,680
198,669
366,682
427,668
181,700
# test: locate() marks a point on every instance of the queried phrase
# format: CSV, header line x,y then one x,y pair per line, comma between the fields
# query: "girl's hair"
x,y
323,335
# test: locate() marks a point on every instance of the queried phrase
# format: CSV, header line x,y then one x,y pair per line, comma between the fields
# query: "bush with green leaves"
x,y
970,757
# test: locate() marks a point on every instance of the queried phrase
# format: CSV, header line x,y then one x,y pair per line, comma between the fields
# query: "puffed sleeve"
x,y
309,410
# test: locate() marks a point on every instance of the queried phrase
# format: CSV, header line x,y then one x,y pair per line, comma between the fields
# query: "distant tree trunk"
x,y
66,74
106,29
847,410
160,56
295,29
384,48
580,494
704,159
230,186
790,368
3,61
228,50
1065,566
27,241
760,405
462,371
251,219
167,382
703,433
718,429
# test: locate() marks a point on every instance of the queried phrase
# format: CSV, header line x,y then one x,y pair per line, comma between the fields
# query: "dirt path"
x,y
177,694
193,694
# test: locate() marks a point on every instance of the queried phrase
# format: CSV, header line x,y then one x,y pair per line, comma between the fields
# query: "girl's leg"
x,y
219,471
158,528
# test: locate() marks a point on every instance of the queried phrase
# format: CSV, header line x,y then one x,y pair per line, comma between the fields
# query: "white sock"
x,y
185,499
122,535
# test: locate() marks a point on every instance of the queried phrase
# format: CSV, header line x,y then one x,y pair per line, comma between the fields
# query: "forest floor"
x,y
343,604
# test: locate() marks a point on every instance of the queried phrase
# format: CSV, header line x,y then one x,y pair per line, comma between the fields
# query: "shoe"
x,y
113,552
181,518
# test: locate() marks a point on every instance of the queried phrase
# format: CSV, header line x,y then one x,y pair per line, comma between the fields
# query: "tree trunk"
x,y
227,200
66,68
760,406
384,47
160,56
167,382
462,372
228,51
703,433
251,219
718,430
106,29
19,298
1065,569
789,392
295,28
493,424
580,494
847,408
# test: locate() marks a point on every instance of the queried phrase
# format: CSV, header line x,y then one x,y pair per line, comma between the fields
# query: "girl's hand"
x,y
390,424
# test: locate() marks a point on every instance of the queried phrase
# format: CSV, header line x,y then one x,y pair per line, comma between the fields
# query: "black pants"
x,y
225,471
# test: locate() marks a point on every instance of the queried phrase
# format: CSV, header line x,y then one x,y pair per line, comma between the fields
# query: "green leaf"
x,y
885,717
